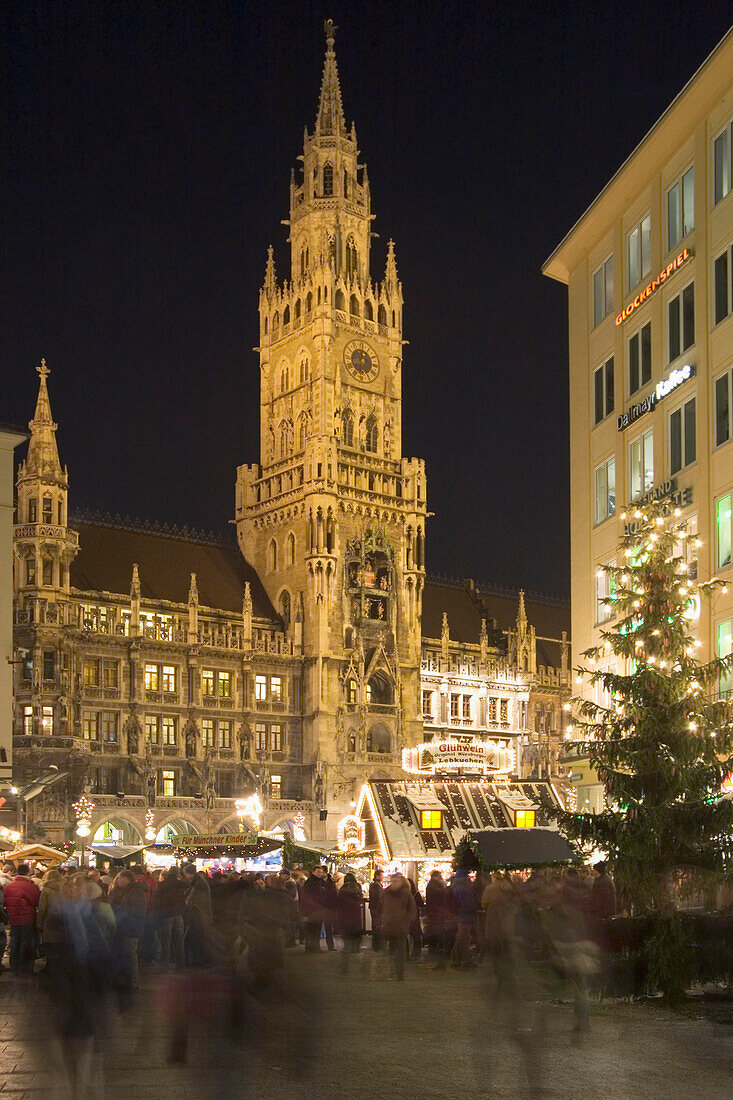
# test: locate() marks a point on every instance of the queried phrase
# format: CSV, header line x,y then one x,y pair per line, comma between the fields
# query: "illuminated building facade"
x,y
173,674
649,271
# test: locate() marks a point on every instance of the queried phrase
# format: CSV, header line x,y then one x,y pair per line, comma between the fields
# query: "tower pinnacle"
x,y
43,455
330,118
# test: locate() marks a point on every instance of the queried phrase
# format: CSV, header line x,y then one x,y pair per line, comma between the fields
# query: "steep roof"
x,y
108,549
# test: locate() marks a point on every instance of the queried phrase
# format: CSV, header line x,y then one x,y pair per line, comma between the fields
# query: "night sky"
x,y
146,154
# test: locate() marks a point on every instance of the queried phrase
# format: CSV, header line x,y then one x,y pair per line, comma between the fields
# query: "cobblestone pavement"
x,y
316,1034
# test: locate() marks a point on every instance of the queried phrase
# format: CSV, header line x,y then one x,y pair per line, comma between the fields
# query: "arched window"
x,y
285,608
284,378
372,435
382,315
308,302
368,310
48,572
340,301
297,307
272,556
303,260
354,306
265,326
303,369
347,429
346,184
275,322
328,179
290,551
286,315
284,439
302,431
378,740
351,690
352,260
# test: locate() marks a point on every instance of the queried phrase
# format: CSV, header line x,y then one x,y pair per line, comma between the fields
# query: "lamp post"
x,y
83,808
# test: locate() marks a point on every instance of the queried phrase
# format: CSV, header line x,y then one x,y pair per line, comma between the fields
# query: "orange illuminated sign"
x,y
649,289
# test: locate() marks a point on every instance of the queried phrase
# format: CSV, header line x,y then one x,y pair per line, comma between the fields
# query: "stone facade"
x,y
170,673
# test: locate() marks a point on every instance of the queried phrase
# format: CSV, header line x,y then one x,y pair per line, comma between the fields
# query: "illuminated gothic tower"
x,y
333,517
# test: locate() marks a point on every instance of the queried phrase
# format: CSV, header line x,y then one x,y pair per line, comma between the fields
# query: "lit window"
x,y
525,819
642,464
368,693
682,322
30,571
603,390
152,728
603,291
640,251
90,670
431,819
276,786
89,725
261,737
724,648
47,510
261,688
722,163
169,730
109,725
207,681
640,358
225,734
723,268
110,671
723,524
169,677
605,482
682,437
169,784
276,689
207,733
152,678
351,691
276,737
225,684
47,720
722,408
27,721
681,208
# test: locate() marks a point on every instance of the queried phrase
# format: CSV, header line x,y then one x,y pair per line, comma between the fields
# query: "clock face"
x,y
361,361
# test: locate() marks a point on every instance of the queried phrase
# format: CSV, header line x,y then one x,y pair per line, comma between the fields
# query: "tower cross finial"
x,y
329,29
43,369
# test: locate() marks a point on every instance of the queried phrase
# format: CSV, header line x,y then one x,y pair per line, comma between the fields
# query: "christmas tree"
x,y
660,733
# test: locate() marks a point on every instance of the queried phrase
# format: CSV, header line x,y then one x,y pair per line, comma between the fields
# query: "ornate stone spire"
x,y
444,636
135,602
330,118
521,616
390,273
247,616
193,591
270,276
43,455
193,610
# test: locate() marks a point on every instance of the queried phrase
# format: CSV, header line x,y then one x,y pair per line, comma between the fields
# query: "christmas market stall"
x,y
215,851
38,853
516,849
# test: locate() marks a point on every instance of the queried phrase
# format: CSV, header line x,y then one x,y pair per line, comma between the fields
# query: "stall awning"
x,y
41,852
117,851
522,847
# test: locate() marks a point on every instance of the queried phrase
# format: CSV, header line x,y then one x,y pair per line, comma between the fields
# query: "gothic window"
x,y
302,431
340,301
327,179
372,435
308,302
275,322
393,318
368,310
47,571
286,316
351,691
290,552
30,571
381,316
47,510
32,510
265,326
303,369
303,260
352,259
297,308
284,379
346,184
272,556
285,607
347,429
354,306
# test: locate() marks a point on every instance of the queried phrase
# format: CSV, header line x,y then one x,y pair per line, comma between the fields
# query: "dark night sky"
x,y
146,153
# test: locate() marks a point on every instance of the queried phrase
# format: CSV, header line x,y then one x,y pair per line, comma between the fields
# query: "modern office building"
x,y
649,271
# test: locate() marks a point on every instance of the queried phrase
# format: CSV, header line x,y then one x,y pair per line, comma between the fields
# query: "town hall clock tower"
x,y
333,517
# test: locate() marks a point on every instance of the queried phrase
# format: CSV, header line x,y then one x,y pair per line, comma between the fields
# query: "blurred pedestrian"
x,y
129,905
437,919
349,918
313,906
464,908
21,897
375,908
398,911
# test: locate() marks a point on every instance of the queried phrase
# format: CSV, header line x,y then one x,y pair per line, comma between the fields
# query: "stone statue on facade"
x,y
132,731
245,741
190,738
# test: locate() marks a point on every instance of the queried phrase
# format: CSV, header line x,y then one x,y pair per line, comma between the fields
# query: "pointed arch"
x,y
290,550
327,179
353,306
347,428
286,315
302,431
371,437
352,259
284,438
284,376
272,555
381,315
340,301
308,302
368,310
303,367
298,308
275,322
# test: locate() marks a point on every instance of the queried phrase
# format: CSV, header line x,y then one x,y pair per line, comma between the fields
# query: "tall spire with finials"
x,y
43,455
330,118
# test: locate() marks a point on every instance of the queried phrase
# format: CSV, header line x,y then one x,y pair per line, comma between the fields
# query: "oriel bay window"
x,y
681,312
605,488
640,358
642,464
682,437
723,530
603,390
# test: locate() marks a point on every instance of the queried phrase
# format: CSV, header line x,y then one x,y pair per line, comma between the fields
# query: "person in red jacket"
x,y
21,902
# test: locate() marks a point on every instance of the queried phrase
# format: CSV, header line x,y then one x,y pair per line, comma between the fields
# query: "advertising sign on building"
x,y
458,757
